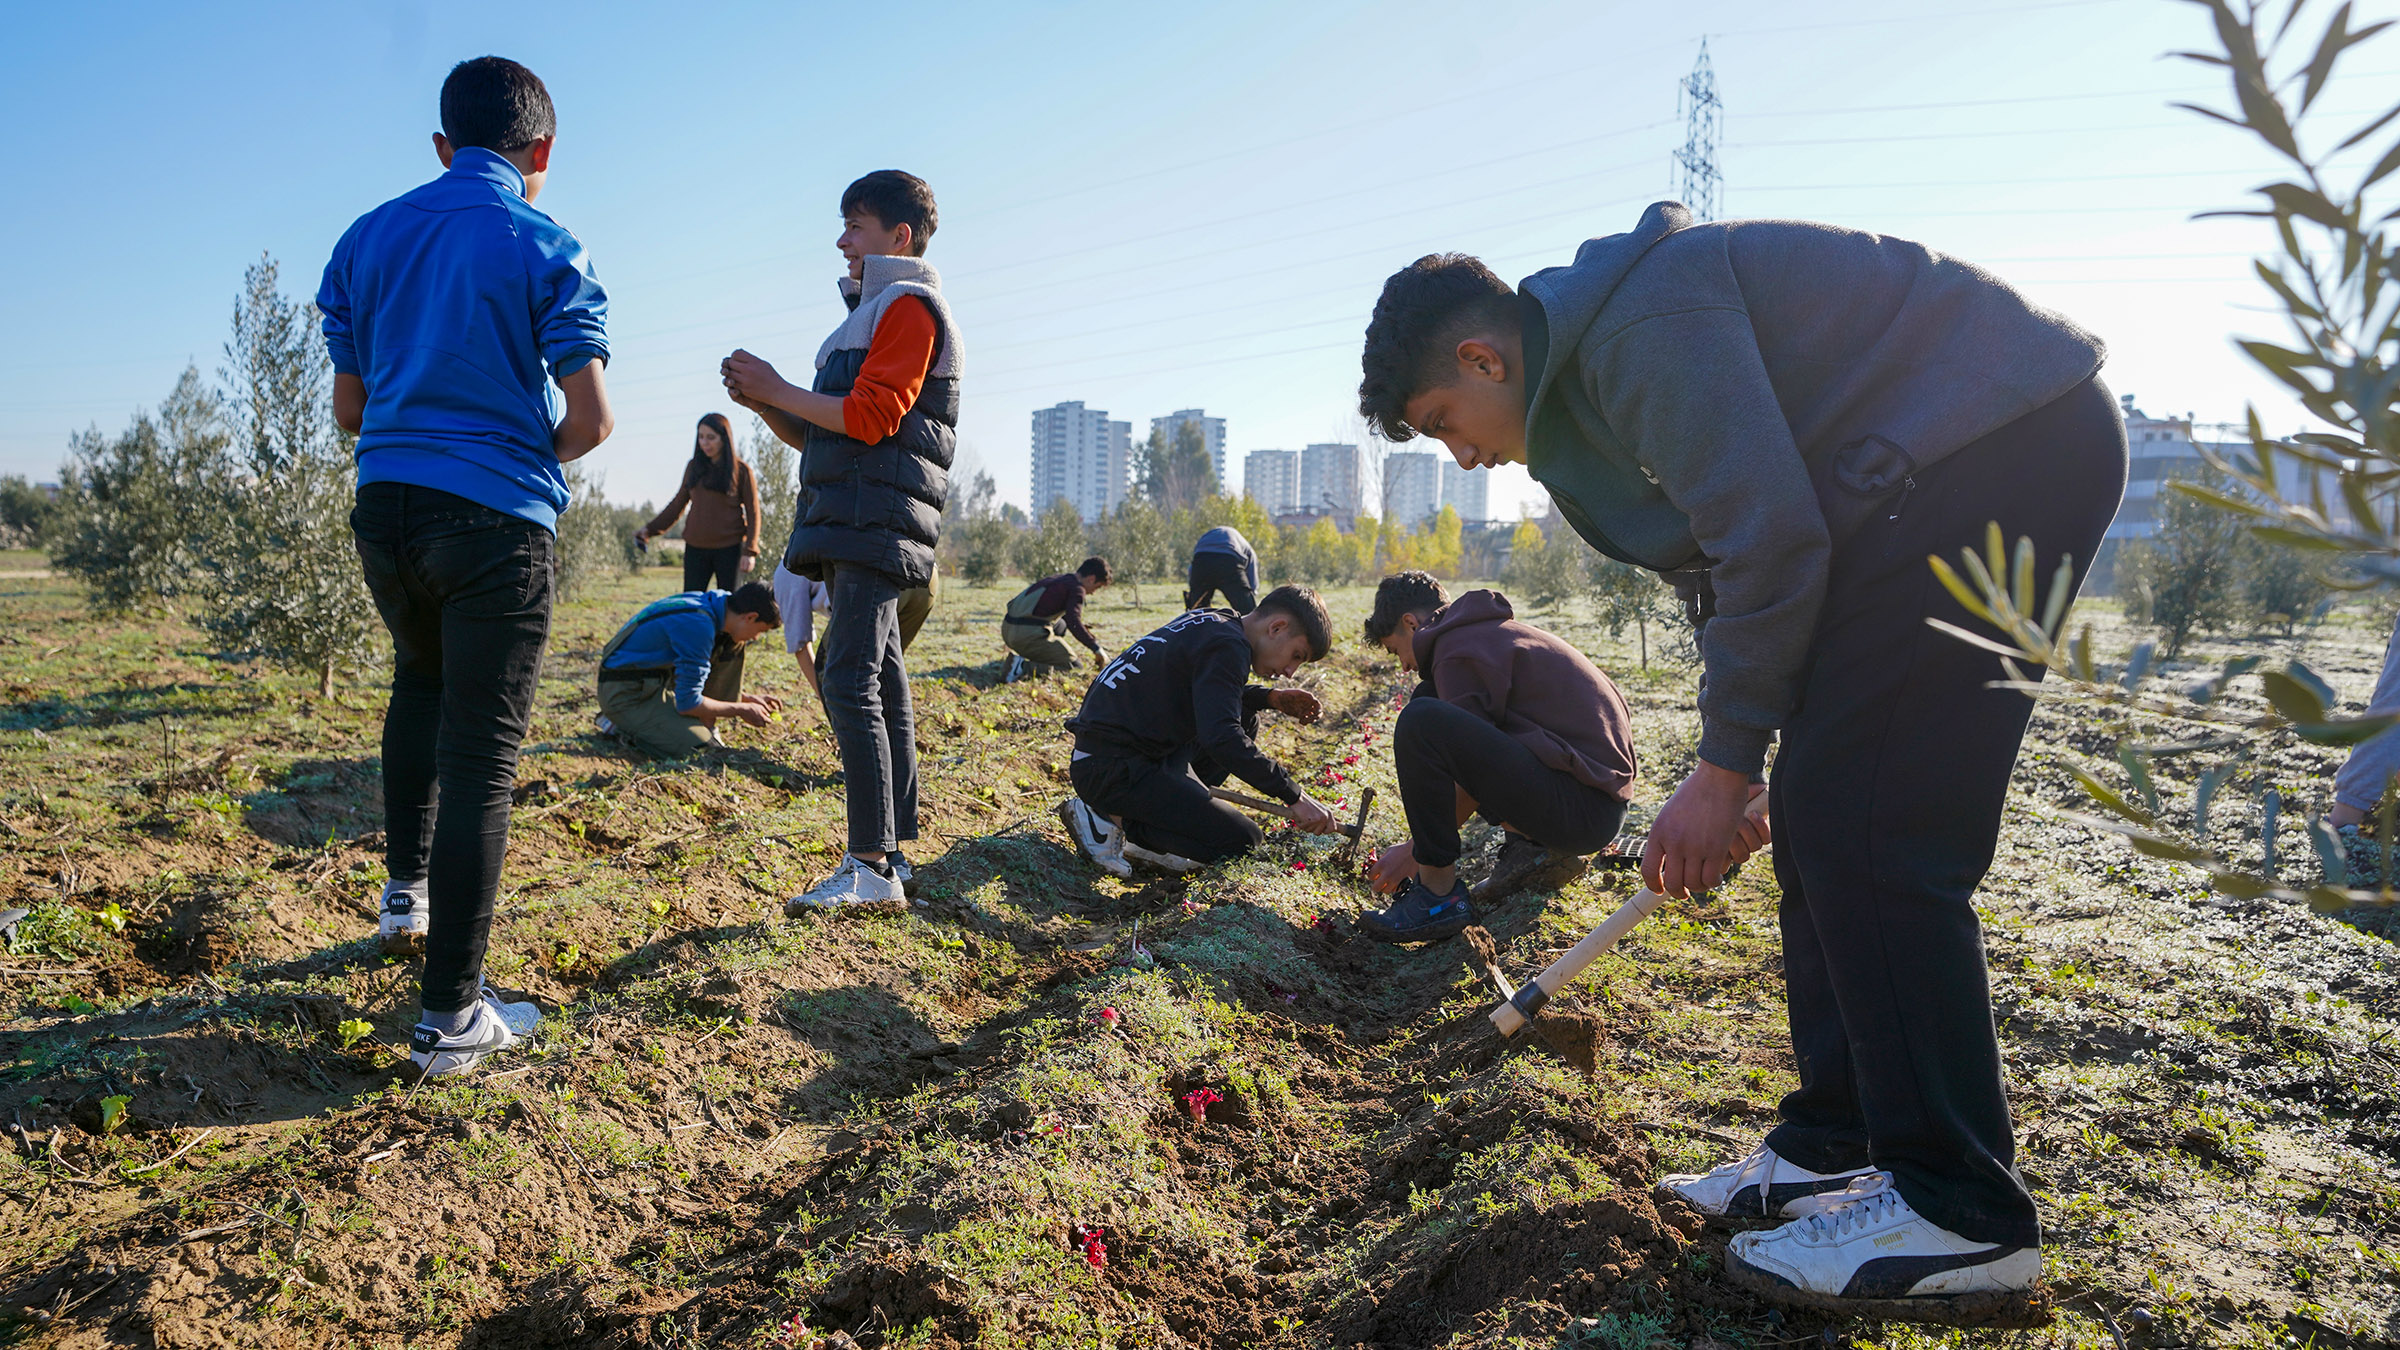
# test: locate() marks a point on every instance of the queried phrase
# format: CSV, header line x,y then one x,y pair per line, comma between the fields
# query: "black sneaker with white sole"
x,y
1865,1253
1419,915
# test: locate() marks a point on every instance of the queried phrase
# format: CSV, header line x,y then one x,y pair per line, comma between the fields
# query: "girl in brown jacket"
x,y
720,542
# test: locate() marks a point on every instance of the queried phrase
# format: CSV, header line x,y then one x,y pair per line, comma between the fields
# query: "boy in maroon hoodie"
x,y
1511,721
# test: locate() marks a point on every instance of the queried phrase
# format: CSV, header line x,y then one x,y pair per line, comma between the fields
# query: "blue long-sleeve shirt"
x,y
679,631
456,303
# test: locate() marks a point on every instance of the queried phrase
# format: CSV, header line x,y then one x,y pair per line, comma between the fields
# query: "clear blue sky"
x,y
1146,208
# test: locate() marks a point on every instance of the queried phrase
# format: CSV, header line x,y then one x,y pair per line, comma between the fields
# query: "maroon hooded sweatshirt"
x,y
1533,685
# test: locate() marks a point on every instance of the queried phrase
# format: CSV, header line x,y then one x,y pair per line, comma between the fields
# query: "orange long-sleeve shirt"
x,y
893,372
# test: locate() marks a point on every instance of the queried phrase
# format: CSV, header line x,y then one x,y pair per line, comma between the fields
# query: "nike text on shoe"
x,y
1761,1186
1418,915
492,1026
1866,1253
1174,863
1096,837
404,918
854,888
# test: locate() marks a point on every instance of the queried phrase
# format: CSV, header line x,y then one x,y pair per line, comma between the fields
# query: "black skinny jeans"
x,y
1439,748
1214,572
704,566
465,592
1886,798
1165,806
865,678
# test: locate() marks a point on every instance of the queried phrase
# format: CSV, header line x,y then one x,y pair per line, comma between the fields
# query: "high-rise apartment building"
x,y
1272,479
1329,480
1080,455
1412,487
1466,491
1212,435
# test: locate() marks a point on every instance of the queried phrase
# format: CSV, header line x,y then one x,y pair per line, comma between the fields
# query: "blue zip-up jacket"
x,y
679,631
456,303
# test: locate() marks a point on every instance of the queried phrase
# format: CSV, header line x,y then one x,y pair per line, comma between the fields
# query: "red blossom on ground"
x,y
1321,924
1299,865
1108,1017
1198,1100
1350,759
1095,1251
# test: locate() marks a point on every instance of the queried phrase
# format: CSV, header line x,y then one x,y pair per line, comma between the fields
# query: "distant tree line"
x,y
2203,571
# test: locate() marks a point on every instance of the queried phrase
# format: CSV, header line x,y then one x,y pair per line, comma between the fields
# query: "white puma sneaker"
x,y
406,913
1761,1186
1865,1252
492,1026
1096,837
854,888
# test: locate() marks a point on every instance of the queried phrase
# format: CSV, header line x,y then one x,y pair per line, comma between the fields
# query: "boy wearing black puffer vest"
x,y
876,434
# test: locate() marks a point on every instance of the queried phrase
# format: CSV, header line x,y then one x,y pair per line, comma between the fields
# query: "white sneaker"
x,y
607,728
405,915
906,873
1013,669
1761,1186
1164,862
1096,837
492,1026
855,887
1865,1252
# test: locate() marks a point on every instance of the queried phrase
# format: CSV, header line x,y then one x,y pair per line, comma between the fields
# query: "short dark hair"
x,y
896,199
757,598
1427,308
1301,606
493,103
1097,568
1410,592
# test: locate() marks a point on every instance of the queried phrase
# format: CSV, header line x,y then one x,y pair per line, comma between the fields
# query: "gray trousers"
x,y
2372,762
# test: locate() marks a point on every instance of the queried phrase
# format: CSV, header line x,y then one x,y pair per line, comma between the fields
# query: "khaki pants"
x,y
644,708
1042,644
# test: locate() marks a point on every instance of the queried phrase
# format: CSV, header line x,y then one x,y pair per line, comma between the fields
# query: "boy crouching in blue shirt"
x,y
675,668
448,310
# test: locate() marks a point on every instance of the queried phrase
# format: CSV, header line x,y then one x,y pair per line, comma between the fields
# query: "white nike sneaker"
x,y
1761,1186
492,1027
1866,1253
1096,837
906,873
1164,862
405,915
854,888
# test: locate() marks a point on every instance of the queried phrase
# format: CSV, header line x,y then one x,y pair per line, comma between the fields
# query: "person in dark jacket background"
x,y
877,435
1174,715
1223,561
1790,417
720,541
1509,721
1041,612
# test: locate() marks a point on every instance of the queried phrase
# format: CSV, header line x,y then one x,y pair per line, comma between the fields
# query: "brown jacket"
x,y
718,518
1533,685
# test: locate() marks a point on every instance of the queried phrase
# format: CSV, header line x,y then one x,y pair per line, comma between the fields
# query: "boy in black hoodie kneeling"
x,y
1175,714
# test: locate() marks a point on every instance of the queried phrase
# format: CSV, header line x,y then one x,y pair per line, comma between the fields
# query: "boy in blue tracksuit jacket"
x,y
448,312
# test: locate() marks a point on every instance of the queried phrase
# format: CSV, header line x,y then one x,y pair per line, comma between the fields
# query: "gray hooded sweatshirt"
x,y
1740,396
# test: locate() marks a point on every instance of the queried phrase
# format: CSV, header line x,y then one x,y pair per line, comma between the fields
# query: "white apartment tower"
x,y
1466,491
1329,480
1412,487
1212,435
1080,455
1272,479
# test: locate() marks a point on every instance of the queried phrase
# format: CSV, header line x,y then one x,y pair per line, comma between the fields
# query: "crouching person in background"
x,y
1509,720
675,668
1042,614
1174,714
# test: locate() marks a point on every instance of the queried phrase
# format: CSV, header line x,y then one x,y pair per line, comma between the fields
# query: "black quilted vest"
x,y
879,505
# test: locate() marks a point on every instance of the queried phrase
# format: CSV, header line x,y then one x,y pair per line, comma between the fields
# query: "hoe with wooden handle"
x,y
1351,831
1512,1016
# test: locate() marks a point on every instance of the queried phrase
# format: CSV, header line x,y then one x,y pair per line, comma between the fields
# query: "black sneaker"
x,y
1418,915
1527,866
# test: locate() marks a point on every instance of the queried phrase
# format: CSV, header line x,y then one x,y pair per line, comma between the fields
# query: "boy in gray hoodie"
x,y
1787,419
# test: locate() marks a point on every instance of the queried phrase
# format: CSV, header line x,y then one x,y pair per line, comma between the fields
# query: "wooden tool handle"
x,y
1510,1017
1272,808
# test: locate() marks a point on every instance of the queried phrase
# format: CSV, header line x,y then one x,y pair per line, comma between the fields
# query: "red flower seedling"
x,y
1107,1017
1198,1100
1299,864
1322,924
1095,1251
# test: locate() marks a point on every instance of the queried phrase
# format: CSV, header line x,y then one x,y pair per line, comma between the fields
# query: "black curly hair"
x,y
1425,310
1409,592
